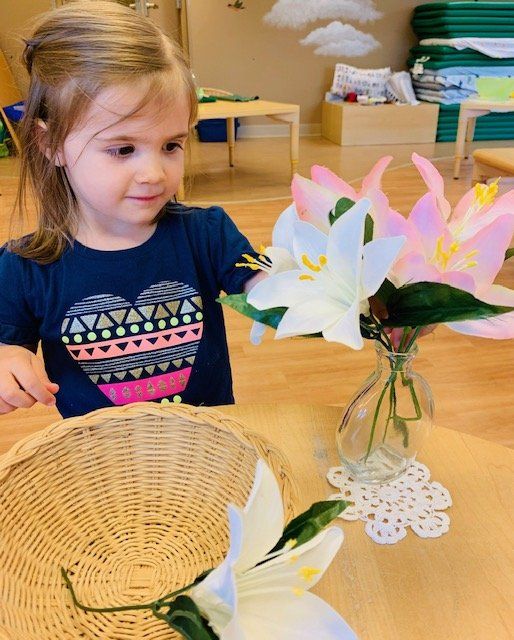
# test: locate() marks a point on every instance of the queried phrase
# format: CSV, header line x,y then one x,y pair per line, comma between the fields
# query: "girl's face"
x,y
123,171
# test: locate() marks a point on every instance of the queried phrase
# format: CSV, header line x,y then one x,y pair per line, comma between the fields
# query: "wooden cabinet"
x,y
350,124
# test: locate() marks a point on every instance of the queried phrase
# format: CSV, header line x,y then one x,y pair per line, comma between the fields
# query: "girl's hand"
x,y
23,380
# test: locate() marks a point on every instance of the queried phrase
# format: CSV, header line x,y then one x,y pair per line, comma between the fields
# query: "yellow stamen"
x,y
473,263
305,276
485,194
262,249
290,544
262,264
322,260
293,559
253,267
308,573
440,255
250,258
298,592
309,264
471,254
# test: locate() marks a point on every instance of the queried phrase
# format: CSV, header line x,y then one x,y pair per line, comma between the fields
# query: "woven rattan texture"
x,y
132,501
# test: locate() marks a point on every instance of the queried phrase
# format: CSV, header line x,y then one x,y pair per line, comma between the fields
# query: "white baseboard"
x,y
276,130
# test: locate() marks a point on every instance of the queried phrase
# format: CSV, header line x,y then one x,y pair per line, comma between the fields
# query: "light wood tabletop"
x,y
456,587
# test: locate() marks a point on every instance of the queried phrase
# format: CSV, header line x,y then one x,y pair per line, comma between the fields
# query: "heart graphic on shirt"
x,y
140,351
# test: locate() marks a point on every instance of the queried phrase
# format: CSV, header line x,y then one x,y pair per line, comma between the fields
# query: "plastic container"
x,y
214,130
15,111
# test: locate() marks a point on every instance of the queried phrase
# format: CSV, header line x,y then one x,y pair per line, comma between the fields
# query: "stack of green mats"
x,y
464,20
442,57
494,126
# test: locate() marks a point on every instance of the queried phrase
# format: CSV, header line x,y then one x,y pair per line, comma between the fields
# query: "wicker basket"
x,y
132,502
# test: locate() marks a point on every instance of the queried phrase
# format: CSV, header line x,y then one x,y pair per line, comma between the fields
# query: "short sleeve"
x,y
18,324
227,246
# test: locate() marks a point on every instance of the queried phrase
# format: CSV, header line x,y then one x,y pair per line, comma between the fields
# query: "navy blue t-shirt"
x,y
134,324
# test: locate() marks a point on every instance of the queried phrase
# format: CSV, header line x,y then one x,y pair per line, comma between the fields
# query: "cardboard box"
x,y
350,124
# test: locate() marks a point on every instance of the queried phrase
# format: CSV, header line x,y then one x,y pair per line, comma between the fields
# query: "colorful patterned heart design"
x,y
137,352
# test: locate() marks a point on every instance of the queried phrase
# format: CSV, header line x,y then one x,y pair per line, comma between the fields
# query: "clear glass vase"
x,y
387,421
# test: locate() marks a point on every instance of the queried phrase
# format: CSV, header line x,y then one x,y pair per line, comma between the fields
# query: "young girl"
x,y
118,282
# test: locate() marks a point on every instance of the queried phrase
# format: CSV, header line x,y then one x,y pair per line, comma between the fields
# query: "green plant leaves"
x,y
309,523
185,617
270,317
342,206
509,253
423,303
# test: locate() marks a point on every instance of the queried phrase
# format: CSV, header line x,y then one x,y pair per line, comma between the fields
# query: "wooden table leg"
x,y
295,145
231,139
470,134
460,141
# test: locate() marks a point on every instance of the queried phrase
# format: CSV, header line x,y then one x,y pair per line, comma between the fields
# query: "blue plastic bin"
x,y
15,111
214,130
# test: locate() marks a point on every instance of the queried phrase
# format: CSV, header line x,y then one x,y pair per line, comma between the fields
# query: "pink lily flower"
x,y
467,255
314,199
474,211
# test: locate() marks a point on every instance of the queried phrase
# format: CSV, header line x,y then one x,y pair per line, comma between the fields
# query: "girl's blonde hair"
x,y
76,52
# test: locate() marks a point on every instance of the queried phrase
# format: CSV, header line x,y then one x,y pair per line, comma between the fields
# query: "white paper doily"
x,y
388,509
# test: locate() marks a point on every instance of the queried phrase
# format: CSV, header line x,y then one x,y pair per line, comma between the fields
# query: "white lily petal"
x,y
282,235
263,519
378,258
310,316
300,568
347,328
256,332
233,631
345,241
281,290
281,258
292,617
216,595
308,240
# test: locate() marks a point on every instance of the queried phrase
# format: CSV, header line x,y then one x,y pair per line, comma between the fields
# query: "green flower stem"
x,y
392,407
375,417
154,606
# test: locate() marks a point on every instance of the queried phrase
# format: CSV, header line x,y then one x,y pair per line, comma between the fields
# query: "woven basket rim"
x,y
29,446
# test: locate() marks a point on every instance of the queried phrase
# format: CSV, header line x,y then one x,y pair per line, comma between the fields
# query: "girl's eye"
x,y
121,151
172,146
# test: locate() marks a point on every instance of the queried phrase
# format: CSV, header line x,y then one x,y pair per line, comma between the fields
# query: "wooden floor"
x,y
471,378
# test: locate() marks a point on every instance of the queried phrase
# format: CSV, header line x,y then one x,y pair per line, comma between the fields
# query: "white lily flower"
x,y
247,602
337,275
280,254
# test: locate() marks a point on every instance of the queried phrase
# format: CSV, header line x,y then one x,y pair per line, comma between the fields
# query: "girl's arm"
x,y
251,282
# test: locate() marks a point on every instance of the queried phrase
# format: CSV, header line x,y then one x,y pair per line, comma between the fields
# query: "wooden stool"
x,y
491,163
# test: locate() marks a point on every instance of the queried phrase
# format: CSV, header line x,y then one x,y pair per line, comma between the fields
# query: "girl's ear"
x,y
41,134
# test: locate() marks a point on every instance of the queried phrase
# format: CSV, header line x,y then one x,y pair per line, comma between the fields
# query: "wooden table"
x,y
469,111
283,112
457,587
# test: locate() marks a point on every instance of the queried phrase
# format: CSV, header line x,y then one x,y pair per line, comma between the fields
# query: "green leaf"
x,y
308,524
185,617
342,206
386,290
270,317
423,303
509,253
369,225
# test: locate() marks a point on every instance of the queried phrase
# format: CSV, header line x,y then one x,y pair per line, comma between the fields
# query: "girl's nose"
x,y
150,171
